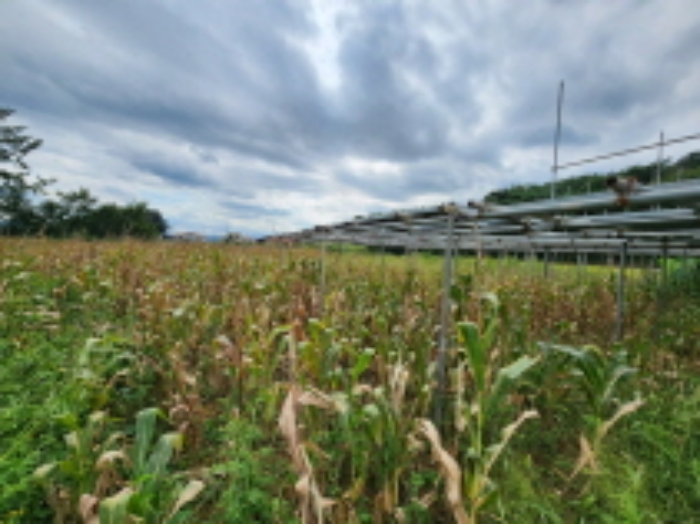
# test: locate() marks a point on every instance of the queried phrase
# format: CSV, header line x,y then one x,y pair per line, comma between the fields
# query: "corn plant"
x,y
64,482
599,377
105,476
211,332
470,486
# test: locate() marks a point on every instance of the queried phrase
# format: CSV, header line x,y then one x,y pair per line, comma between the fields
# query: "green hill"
x,y
686,167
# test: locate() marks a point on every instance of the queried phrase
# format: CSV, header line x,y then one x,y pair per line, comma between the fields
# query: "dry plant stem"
x,y
312,503
450,471
588,457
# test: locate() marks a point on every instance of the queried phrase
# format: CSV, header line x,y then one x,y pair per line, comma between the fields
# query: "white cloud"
x,y
254,115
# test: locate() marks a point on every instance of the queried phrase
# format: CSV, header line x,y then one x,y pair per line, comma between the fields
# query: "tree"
x,y
77,206
135,220
73,212
143,222
17,216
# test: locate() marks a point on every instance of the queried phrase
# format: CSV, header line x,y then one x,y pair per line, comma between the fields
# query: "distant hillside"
x,y
684,168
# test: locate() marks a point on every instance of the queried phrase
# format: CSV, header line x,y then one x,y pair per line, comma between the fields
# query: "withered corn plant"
x,y
483,377
328,369
108,478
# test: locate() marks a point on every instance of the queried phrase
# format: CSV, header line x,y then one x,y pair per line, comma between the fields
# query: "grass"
x,y
276,391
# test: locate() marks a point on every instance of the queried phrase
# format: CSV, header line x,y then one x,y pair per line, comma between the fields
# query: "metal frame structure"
x,y
656,221
593,223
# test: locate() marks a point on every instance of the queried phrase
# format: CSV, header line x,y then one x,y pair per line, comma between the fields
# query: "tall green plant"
x,y
482,383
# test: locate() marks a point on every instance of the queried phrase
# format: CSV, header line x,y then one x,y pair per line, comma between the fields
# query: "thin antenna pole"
x,y
660,158
557,136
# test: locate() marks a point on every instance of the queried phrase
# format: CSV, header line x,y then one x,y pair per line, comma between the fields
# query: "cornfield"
x,y
167,382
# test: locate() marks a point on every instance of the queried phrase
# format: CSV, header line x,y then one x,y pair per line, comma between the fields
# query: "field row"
x,y
164,381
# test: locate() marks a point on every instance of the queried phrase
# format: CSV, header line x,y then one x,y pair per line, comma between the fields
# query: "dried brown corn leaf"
x,y
451,471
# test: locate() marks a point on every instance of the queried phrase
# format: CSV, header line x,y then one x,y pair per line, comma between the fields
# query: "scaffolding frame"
x,y
590,223
651,222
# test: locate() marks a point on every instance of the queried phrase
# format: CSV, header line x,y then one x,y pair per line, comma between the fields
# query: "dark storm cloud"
x,y
532,136
204,155
393,100
153,71
173,172
385,118
618,65
413,182
238,182
243,210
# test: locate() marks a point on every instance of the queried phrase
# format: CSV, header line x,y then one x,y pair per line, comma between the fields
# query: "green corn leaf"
x,y
565,350
42,473
187,495
316,330
492,303
456,293
466,281
506,377
167,445
475,354
364,359
145,430
489,337
516,369
114,510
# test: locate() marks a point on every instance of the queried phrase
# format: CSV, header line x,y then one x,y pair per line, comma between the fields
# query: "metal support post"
x,y
503,256
477,253
322,283
661,288
382,249
413,250
664,264
456,239
579,265
620,324
441,372
557,136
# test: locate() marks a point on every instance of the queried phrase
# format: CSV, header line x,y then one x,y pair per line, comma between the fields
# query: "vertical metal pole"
x,y
475,236
441,393
661,289
411,241
382,259
660,158
503,255
383,250
455,242
664,262
579,265
322,285
557,136
620,326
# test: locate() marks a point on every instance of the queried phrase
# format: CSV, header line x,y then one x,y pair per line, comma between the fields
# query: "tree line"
x,y
27,209
686,167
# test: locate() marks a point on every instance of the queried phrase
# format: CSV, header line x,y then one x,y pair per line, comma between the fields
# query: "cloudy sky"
x,y
268,116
